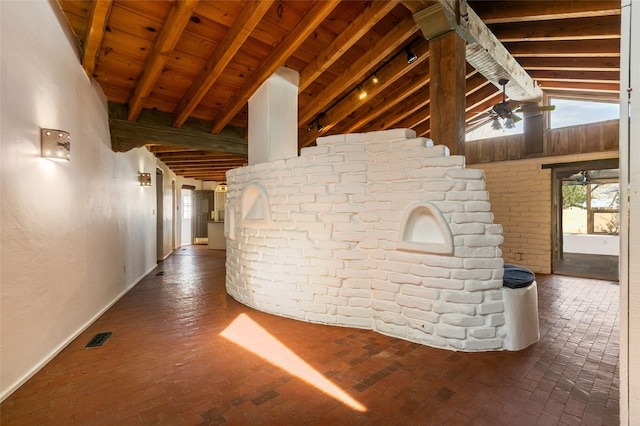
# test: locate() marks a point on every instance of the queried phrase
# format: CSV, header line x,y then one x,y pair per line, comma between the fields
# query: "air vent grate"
x,y
160,273
98,340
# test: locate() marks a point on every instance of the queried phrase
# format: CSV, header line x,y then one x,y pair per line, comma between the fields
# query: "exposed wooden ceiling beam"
x,y
363,66
242,27
95,34
162,48
154,127
373,12
387,76
314,16
388,102
483,51
493,12
419,110
612,76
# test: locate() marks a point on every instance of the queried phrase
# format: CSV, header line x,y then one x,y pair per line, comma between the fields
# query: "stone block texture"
x,y
326,248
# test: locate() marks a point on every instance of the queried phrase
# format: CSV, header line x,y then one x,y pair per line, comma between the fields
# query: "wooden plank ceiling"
x,y
178,74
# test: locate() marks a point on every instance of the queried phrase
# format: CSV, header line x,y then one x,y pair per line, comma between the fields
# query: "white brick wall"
x,y
329,252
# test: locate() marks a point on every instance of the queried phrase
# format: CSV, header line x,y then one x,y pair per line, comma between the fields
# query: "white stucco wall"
x,y
322,238
77,235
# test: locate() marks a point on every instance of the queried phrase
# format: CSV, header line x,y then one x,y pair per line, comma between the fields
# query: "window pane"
x,y
571,112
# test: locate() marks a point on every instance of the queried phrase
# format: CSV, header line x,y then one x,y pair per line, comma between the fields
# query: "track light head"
x,y
319,125
375,79
361,93
411,57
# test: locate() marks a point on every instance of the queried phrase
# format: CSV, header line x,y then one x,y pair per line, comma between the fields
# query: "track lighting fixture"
x,y
375,79
319,125
361,93
411,57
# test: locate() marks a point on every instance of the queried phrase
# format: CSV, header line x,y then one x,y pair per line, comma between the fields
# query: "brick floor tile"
x,y
167,364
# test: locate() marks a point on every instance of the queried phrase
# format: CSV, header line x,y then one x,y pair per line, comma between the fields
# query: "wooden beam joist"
x,y
235,37
373,12
95,34
162,48
387,76
607,27
565,48
483,51
363,66
154,127
314,17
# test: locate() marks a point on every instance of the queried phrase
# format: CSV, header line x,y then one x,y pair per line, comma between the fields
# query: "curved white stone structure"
x,y
336,249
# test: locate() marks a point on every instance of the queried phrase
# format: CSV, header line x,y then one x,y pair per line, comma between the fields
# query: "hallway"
x,y
172,360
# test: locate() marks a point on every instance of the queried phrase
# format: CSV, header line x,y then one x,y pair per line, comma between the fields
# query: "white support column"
x,y
273,118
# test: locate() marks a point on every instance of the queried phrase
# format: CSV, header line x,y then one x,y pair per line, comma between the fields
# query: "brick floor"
x,y
166,363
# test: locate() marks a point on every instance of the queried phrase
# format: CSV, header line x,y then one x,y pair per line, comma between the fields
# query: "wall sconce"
x,y
55,144
144,179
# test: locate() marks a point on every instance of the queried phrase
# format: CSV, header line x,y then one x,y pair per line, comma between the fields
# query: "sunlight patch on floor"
x,y
246,333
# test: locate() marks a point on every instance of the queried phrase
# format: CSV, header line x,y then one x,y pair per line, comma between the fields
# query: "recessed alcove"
x,y
255,207
424,229
230,222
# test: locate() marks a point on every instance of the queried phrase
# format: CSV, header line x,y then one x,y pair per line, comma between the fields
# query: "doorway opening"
x,y
587,220
159,215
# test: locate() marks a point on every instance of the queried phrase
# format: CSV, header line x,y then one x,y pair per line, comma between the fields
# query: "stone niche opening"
x,y
255,207
382,230
424,229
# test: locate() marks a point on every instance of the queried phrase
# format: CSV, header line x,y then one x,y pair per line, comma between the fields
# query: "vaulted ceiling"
x,y
178,74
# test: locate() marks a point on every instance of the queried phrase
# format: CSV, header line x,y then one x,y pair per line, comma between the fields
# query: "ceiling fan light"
x,y
509,124
495,125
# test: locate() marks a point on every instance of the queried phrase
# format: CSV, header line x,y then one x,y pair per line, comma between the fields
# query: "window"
x,y
571,112
186,206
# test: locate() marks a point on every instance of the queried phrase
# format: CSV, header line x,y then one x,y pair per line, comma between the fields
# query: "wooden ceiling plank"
x,y
571,64
565,48
95,34
345,40
224,52
314,17
387,76
493,12
606,27
167,40
358,70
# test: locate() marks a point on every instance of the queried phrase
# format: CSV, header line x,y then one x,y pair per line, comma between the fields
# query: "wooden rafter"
x,y
387,76
242,27
314,16
344,41
565,48
389,102
95,34
364,65
169,36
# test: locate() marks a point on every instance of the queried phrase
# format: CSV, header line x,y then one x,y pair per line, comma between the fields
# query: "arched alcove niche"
x,y
255,211
424,229
229,222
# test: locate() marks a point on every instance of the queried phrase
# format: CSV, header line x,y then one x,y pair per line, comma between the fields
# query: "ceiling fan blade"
x,y
479,123
515,118
536,108
480,118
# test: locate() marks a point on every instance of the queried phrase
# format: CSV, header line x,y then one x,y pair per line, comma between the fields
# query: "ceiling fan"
x,y
505,111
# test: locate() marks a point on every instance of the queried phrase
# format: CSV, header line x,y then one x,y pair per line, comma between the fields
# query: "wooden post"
x,y
448,91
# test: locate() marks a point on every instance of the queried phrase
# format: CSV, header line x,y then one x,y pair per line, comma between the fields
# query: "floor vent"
x,y
98,340
160,273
